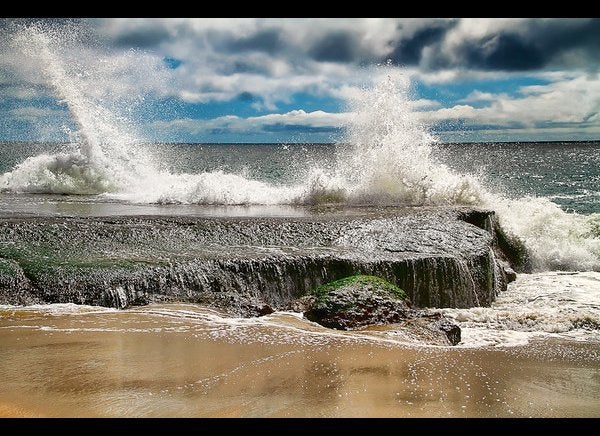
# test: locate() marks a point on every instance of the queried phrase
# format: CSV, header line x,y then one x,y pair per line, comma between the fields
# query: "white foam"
x,y
546,304
555,239
58,308
389,157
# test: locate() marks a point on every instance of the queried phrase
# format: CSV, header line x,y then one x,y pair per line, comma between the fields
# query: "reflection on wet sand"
x,y
167,360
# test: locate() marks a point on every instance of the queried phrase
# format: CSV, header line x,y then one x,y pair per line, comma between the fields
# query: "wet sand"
x,y
185,361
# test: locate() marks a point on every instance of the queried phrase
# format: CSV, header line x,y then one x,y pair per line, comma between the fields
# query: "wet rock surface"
x,y
14,285
357,301
360,301
249,265
428,326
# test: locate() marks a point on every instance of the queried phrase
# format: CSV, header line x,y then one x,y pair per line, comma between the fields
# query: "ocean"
x,y
567,173
533,352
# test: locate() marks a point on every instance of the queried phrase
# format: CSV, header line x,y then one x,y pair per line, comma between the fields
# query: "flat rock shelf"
x,y
440,256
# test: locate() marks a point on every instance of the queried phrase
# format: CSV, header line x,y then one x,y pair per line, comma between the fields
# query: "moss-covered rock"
x,y
360,301
357,301
378,285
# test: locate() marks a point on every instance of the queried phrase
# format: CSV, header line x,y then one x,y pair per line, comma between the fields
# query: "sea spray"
x,y
108,157
389,157
555,239
390,160
107,154
540,304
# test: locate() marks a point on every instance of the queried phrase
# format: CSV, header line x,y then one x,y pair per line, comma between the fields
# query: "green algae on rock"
x,y
380,286
357,301
361,300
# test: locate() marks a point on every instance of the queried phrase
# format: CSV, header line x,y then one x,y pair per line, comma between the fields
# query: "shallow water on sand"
x,y
188,361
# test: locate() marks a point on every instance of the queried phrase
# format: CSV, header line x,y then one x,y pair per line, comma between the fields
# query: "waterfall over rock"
x,y
250,265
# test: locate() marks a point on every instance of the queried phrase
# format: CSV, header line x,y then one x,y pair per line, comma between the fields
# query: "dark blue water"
x,y
568,173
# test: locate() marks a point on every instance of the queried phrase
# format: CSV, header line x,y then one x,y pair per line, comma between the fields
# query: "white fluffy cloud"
x,y
232,123
478,96
573,101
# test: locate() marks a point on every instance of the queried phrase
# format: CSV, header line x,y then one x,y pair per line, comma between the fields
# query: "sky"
x,y
290,80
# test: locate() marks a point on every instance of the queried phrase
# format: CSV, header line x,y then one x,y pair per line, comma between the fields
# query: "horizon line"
x,y
319,143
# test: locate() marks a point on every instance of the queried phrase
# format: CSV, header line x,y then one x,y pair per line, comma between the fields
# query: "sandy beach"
x,y
186,361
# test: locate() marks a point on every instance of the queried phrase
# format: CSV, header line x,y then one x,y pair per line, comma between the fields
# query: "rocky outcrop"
x,y
15,288
428,326
441,257
357,301
360,301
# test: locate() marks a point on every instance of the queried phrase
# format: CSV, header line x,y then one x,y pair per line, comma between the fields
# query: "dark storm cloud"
x,y
409,50
586,34
560,38
540,45
335,47
431,44
264,40
535,45
509,52
142,38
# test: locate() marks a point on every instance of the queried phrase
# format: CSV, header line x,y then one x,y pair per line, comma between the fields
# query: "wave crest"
x,y
62,173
